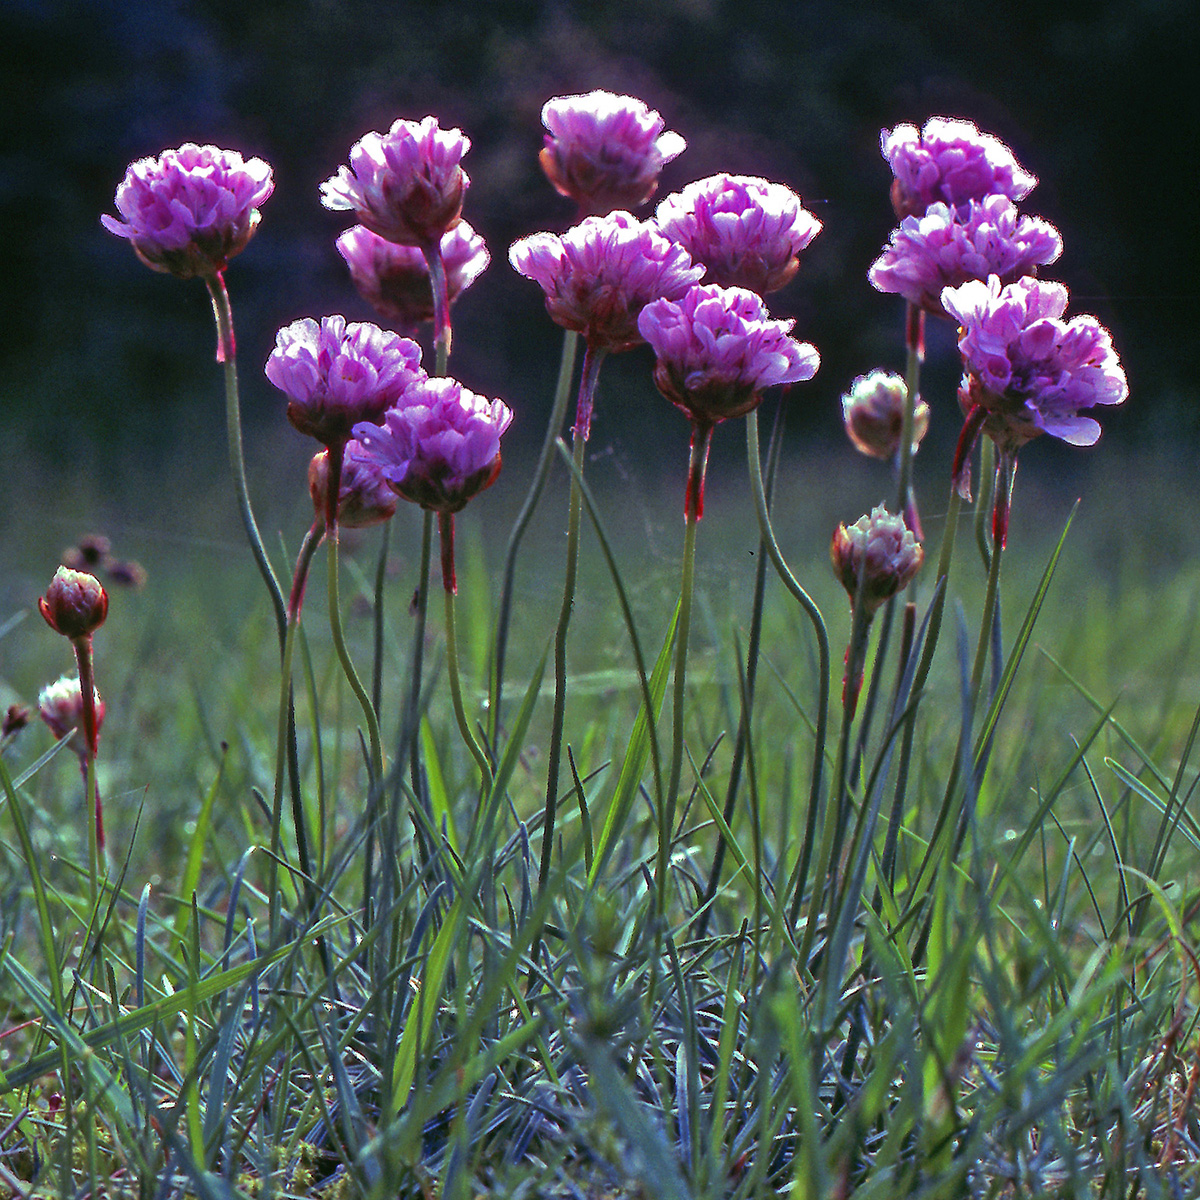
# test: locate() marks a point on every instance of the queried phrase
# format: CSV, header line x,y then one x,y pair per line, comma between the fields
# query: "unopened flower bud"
x,y
60,705
15,719
875,558
873,412
365,498
75,603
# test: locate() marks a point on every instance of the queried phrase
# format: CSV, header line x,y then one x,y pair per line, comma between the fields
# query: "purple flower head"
x,y
605,151
949,162
746,231
439,446
602,272
944,249
75,603
1027,371
365,497
873,413
405,185
60,705
189,211
718,348
336,375
395,279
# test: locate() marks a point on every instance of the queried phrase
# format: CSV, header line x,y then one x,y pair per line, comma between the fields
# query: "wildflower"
x,y
60,705
405,185
75,603
602,272
1027,371
126,572
944,248
337,374
873,413
395,279
605,151
949,162
440,447
746,231
190,210
365,497
875,558
718,348
15,719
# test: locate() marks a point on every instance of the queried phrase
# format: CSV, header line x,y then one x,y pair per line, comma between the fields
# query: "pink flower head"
x,y
365,497
605,151
405,185
440,446
189,211
395,279
602,272
873,413
336,375
718,348
75,603
1027,371
945,248
875,558
949,162
60,705
746,231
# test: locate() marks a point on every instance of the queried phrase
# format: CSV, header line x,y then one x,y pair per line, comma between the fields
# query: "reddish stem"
x,y
960,472
914,330
693,498
226,342
593,356
446,533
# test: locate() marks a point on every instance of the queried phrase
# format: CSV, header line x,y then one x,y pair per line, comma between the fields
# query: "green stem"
x,y
93,813
441,305
541,471
412,724
226,354
914,324
285,703
377,617
446,532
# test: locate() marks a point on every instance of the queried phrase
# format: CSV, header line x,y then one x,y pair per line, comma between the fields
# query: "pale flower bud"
x,y
873,412
875,558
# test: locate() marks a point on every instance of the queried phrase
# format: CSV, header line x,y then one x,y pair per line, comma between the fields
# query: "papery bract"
x,y
406,185
945,248
875,558
440,446
365,497
190,210
395,279
337,374
75,603
746,231
949,162
873,414
605,151
1029,371
718,348
602,272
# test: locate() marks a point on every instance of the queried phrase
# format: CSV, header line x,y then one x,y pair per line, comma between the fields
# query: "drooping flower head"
x,y
718,348
873,413
949,162
190,210
60,705
440,446
944,248
1027,371
602,272
395,279
405,185
605,151
336,375
875,558
365,497
75,603
746,231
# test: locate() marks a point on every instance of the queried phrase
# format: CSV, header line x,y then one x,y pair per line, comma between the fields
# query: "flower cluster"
x,y
746,231
190,210
75,603
395,279
718,348
336,375
875,558
600,274
873,413
405,185
605,151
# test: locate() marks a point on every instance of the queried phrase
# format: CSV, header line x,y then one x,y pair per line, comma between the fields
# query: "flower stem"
x,y
226,354
914,325
412,723
441,305
587,387
566,371
450,589
94,812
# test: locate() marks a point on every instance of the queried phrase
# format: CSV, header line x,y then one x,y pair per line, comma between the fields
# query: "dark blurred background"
x,y
108,368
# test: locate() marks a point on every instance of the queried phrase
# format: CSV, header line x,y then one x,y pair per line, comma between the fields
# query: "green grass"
x,y
1010,1012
